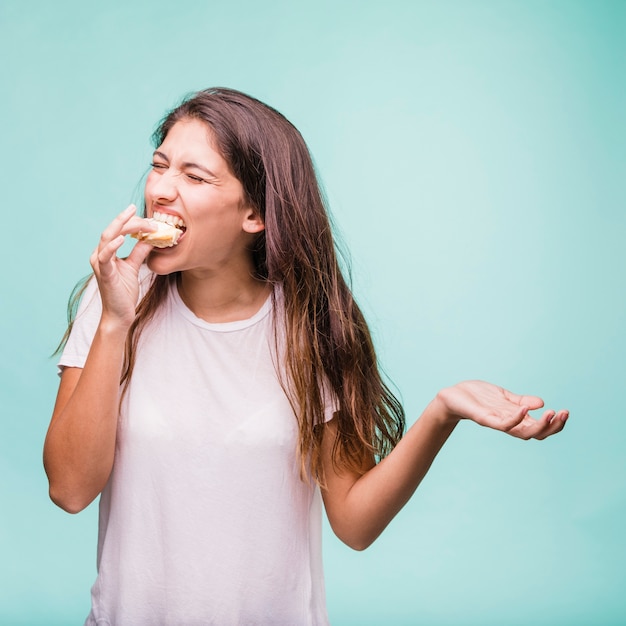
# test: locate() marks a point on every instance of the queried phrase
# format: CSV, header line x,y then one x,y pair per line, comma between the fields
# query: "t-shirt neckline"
x,y
223,327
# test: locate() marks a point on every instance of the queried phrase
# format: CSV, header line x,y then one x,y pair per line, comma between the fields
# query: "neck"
x,y
217,298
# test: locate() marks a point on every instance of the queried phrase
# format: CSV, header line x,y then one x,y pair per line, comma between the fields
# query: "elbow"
x,y
68,491
357,539
69,505
359,544
357,529
68,501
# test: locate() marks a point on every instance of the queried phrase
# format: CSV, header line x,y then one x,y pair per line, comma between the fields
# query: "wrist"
x,y
440,407
113,329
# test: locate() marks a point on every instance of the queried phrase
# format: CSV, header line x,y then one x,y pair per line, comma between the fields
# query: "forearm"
x,y
80,444
374,499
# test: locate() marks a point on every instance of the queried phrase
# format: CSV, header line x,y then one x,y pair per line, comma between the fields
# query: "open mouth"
x,y
170,229
168,218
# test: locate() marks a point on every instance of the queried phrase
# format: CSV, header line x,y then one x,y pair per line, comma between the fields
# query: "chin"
x,y
160,264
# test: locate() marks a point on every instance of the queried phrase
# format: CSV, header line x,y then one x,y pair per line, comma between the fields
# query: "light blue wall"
x,y
474,154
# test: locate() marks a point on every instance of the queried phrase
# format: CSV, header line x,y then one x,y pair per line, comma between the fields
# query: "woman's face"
x,y
191,181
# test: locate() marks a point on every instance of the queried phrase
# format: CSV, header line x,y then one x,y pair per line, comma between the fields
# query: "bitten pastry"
x,y
165,236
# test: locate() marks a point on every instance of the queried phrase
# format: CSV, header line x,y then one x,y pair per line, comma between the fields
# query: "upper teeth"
x,y
173,220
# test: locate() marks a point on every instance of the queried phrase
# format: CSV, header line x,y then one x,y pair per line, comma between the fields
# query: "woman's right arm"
x,y
80,444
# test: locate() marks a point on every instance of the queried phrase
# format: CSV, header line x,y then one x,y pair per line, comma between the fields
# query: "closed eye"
x,y
158,166
196,179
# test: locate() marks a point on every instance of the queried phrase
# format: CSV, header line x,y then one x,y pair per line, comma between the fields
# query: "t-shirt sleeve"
x,y
87,320
331,402
84,328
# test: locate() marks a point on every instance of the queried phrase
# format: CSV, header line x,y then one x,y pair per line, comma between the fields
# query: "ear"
x,y
252,222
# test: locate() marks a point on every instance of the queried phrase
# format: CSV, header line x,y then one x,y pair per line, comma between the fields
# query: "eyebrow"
x,y
186,164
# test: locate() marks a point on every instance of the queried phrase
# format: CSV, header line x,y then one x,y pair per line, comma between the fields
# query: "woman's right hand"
x,y
80,444
118,279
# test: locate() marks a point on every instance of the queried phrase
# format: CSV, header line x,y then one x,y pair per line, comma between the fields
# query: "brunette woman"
x,y
212,391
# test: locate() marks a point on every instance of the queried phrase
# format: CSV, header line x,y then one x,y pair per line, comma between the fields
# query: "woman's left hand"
x,y
497,408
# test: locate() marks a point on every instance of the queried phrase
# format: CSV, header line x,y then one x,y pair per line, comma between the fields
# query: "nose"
x,y
161,186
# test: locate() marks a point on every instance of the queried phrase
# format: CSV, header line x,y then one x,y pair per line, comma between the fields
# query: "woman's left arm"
x,y
359,506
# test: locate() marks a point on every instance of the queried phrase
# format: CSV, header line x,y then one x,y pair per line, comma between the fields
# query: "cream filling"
x,y
169,230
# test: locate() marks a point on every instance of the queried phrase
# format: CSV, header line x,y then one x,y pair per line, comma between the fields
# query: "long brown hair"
x,y
328,350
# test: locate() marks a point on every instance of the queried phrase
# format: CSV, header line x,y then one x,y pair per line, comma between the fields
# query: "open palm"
x,y
497,408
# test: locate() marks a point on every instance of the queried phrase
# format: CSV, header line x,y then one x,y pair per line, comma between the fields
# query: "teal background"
x,y
474,156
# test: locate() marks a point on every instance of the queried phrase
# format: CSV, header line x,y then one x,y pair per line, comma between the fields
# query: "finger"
x,y
546,417
548,431
136,224
562,415
554,419
529,427
532,402
519,417
506,421
543,426
139,254
556,425
548,424
106,254
115,227
99,254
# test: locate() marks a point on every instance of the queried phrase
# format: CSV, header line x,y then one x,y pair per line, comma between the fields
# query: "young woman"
x,y
210,391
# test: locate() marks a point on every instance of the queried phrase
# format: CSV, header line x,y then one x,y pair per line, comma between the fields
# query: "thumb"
x,y
531,402
139,254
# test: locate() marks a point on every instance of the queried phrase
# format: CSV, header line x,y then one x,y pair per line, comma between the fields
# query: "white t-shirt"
x,y
204,519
